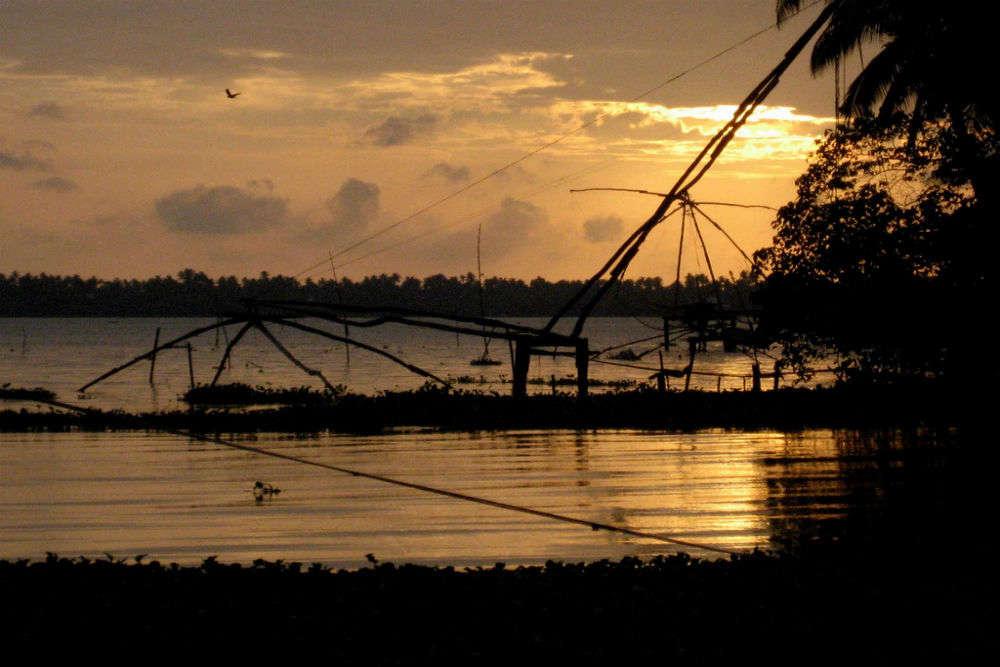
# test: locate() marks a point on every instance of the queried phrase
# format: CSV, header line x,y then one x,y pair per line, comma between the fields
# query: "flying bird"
x,y
230,94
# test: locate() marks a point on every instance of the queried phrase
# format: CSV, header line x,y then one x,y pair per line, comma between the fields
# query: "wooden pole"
x,y
616,266
169,344
582,367
364,346
522,359
190,366
661,379
152,359
291,357
347,346
692,348
227,355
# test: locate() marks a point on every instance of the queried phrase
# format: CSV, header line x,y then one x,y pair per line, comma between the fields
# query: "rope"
x,y
594,525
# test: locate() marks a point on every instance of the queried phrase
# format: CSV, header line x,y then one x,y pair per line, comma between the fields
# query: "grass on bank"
x,y
765,606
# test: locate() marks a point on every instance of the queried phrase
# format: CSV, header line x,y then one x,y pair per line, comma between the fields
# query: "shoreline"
x,y
782,409
849,602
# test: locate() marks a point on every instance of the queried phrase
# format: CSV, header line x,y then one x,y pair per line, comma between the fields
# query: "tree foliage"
x,y
192,293
924,56
877,262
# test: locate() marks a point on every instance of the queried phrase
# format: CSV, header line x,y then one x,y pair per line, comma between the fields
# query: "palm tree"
x,y
934,61
930,58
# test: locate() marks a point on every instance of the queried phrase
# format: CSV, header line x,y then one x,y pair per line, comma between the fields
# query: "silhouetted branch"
x,y
164,346
291,357
363,346
229,349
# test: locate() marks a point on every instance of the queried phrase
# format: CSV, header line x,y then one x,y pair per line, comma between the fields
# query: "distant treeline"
x,y
193,293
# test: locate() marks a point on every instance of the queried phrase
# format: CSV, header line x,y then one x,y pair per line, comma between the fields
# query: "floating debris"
x,y
262,490
484,360
628,354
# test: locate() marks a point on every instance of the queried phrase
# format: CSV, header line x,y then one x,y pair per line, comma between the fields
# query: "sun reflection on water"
x,y
181,500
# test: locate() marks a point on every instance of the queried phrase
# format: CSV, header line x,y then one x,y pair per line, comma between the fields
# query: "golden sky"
x,y
121,156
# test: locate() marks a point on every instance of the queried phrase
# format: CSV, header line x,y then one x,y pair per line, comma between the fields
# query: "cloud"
x,y
55,184
489,84
49,110
220,210
23,162
602,228
354,206
448,172
395,131
261,183
255,54
516,220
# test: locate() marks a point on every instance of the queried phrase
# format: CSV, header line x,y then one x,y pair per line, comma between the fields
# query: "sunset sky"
x,y
121,156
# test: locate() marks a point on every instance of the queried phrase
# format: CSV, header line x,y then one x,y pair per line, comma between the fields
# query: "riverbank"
x,y
839,604
783,409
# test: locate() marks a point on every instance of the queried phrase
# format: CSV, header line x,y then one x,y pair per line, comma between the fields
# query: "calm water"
x,y
63,354
182,500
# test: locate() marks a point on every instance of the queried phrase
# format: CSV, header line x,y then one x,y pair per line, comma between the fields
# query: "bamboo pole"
x,y
229,349
391,314
152,360
623,256
363,346
308,309
291,357
582,368
172,343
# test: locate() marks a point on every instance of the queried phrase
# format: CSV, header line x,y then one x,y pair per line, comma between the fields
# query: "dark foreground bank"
x,y
775,607
784,409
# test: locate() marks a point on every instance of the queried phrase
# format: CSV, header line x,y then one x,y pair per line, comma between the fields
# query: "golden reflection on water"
x,y
179,500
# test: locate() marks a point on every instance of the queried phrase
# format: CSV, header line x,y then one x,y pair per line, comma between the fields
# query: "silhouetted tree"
x,y
193,293
927,61
876,261
930,61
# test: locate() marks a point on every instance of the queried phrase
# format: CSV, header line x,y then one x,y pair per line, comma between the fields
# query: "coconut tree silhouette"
x,y
929,57
930,62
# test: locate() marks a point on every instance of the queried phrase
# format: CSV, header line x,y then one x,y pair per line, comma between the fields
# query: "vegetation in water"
x,y
22,394
239,393
767,607
635,407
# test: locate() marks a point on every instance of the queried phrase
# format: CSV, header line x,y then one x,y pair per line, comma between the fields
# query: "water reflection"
x,y
182,500
889,488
